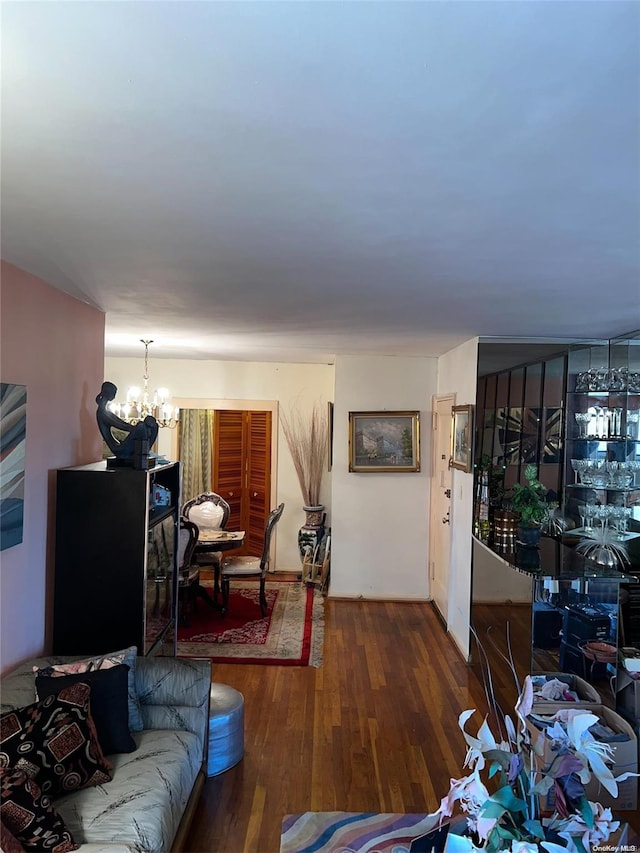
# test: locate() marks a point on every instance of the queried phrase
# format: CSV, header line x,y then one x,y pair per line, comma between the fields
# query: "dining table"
x,y
212,541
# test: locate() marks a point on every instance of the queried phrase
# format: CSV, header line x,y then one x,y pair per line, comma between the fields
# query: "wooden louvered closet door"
x,y
242,471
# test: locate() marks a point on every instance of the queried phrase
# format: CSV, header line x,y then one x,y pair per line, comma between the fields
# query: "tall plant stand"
x,y
316,564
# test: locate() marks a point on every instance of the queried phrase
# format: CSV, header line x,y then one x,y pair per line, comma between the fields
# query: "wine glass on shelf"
x,y
625,476
618,379
575,467
617,515
590,512
582,381
604,514
619,411
599,415
632,423
582,419
586,472
603,379
600,475
582,509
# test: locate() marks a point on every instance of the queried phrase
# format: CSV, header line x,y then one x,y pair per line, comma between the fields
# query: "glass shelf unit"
x,y
602,439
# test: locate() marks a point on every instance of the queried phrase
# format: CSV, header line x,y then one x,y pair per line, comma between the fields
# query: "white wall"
x,y
457,373
380,521
289,384
495,582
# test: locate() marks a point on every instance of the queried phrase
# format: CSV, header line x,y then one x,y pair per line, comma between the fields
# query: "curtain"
x,y
196,451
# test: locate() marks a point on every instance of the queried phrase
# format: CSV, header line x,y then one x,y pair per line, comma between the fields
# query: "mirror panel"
x,y
520,420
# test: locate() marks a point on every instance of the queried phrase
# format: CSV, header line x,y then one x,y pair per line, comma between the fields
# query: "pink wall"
x,y
53,344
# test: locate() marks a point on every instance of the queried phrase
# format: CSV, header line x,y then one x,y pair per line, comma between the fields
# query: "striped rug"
x,y
352,832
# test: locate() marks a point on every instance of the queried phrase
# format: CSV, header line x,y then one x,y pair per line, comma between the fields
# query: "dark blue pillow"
x,y
109,704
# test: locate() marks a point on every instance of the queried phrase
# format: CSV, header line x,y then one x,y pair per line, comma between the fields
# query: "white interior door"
x,y
440,516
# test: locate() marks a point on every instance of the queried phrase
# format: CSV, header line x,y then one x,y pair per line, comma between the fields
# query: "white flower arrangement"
x,y
508,818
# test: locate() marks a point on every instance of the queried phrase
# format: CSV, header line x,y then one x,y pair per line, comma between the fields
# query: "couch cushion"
x,y
106,661
144,803
109,707
55,742
29,815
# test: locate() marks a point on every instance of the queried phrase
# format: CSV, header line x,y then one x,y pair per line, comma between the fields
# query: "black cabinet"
x,y
115,569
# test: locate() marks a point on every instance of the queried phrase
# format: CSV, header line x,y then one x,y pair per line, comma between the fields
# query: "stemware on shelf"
x,y
615,421
632,423
602,379
576,467
603,514
605,422
590,512
600,422
582,419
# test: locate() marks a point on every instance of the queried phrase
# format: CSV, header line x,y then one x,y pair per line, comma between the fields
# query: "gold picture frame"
x,y
462,437
384,442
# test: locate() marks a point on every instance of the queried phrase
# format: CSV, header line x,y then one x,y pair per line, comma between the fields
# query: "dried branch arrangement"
x,y
306,437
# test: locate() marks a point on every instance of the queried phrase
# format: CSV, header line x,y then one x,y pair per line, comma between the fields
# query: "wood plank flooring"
x,y
374,729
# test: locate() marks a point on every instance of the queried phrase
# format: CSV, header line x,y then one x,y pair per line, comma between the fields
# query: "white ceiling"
x,y
292,180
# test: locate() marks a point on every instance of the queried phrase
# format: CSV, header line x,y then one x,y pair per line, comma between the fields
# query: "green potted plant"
x,y
530,503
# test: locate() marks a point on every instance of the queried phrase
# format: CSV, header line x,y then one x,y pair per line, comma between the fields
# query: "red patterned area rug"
x,y
291,634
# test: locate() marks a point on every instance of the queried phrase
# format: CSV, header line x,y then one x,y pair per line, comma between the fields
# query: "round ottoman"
x,y
226,728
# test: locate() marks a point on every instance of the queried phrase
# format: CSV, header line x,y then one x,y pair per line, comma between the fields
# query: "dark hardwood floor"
x,y
374,729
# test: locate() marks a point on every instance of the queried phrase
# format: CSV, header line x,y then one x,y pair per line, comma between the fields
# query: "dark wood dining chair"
x,y
209,512
251,567
188,573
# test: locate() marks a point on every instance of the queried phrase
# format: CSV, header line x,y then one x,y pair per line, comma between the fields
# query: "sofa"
x,y
148,804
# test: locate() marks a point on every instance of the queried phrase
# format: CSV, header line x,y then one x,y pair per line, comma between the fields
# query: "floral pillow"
x,y
29,821
55,742
127,656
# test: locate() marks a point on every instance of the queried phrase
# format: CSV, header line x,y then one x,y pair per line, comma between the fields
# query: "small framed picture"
x,y
384,442
461,437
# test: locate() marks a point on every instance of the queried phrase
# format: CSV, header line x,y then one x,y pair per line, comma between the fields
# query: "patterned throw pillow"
x,y
127,656
55,742
108,703
28,816
8,842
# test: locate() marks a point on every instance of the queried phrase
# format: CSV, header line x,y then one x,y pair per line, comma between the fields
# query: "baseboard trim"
x,y
359,596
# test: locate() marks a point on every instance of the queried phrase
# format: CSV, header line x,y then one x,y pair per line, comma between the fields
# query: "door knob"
x,y
447,493
446,519
255,494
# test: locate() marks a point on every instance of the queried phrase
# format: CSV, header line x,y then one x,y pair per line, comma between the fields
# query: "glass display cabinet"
x,y
602,442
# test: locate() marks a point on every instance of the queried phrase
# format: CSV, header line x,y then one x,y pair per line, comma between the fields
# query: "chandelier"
x,y
138,405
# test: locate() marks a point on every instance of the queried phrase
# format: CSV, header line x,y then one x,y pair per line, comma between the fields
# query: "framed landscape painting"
x,y
13,431
384,442
461,437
